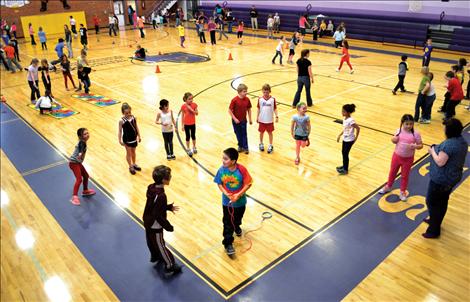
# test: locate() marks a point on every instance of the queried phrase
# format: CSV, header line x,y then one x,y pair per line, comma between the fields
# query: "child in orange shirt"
x,y
345,57
188,118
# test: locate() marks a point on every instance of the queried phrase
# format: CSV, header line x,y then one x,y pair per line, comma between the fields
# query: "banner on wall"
x,y
415,6
14,3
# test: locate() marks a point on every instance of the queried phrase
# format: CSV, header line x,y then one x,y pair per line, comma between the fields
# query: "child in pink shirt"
x,y
407,140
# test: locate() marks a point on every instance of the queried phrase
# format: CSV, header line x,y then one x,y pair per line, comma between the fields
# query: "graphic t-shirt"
x,y
233,182
427,51
348,130
266,109
301,128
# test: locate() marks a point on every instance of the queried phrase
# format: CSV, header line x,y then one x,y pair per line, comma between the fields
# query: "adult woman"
x,y
304,71
448,159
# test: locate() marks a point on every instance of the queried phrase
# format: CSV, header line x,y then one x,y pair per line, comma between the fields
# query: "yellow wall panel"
x,y
51,23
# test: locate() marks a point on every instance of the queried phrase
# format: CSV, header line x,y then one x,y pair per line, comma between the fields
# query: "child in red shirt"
x,y
96,22
454,88
239,107
345,57
188,118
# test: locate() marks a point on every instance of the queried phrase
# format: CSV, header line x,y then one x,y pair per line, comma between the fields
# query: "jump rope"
x,y
264,216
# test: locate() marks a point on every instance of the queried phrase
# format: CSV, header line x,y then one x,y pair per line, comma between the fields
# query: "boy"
x,y
83,73
233,181
10,56
73,26
402,68
83,36
155,219
180,28
455,91
420,100
427,52
239,107
265,117
140,53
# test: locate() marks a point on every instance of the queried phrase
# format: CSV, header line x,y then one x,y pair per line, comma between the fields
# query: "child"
x,y
279,50
73,26
293,43
45,102
14,43
212,27
188,118
68,40
83,36
349,137
265,117
42,38
180,28
81,60
300,129
165,118
270,26
155,220
339,36
13,29
430,96
11,59
75,164
140,53
402,68
345,57
129,136
238,109
233,181
454,88
407,140
140,23
421,96
96,23
240,32
65,65
31,33
322,28
83,76
427,53
5,37
200,30
46,79
277,23
33,80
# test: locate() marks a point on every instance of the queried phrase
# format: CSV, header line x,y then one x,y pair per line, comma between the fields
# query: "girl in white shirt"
x,y
166,119
349,137
270,26
45,102
279,50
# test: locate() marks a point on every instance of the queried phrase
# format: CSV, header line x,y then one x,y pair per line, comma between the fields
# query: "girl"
x,y
339,36
407,140
293,43
42,38
270,26
349,137
345,57
31,33
240,32
188,118
13,29
68,40
129,136
165,118
200,30
75,164
81,60
65,65
265,117
45,102
33,80
46,79
279,50
212,27
300,129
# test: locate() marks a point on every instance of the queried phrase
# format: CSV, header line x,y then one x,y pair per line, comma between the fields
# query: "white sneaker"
x,y
385,190
337,69
270,149
194,151
261,147
403,196
352,71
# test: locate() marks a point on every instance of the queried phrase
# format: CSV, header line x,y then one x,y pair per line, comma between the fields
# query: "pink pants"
x,y
80,172
345,59
405,163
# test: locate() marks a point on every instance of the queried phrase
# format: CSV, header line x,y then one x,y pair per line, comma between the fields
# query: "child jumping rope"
x,y
188,118
349,137
76,165
300,129
165,118
345,57
265,117
233,181
407,140
129,136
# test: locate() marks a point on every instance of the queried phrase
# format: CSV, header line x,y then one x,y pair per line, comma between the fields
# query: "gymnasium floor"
x,y
330,237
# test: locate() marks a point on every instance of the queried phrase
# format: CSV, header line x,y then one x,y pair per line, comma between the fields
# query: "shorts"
x,y
266,127
302,31
291,52
300,138
239,34
131,145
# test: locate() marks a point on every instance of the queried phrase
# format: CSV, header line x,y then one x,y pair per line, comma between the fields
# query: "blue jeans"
x,y
428,102
230,24
240,132
419,105
437,199
86,84
301,81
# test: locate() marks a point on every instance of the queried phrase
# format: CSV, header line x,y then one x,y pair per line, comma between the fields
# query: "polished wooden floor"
x,y
311,194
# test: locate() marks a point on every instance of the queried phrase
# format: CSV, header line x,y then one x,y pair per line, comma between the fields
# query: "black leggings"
x,y
35,94
168,140
345,150
212,34
190,131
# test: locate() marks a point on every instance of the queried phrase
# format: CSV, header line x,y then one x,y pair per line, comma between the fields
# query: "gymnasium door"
x,y
119,11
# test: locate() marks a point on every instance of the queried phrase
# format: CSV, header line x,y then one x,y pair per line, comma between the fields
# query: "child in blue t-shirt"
x,y
427,53
233,180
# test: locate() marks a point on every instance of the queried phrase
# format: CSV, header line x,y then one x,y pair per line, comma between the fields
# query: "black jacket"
x,y
156,208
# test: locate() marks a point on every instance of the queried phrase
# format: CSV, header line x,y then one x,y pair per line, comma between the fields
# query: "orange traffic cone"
x,y
157,70
230,57
159,53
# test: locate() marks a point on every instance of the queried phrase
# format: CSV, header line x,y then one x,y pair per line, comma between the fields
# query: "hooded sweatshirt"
x,y
155,209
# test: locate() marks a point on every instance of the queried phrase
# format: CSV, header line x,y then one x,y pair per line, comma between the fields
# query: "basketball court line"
x,y
43,168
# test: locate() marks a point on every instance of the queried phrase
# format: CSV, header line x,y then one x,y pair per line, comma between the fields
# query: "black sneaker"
x,y
168,157
342,171
175,269
240,149
394,92
246,151
229,250
132,170
238,232
339,168
173,157
137,168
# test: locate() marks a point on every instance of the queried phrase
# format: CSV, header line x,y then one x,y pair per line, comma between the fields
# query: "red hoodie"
x,y
156,208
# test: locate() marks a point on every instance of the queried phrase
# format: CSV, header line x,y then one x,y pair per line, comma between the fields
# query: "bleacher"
x,y
461,40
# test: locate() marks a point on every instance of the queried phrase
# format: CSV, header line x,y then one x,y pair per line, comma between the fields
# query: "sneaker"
x,y
194,150
426,122
420,120
352,71
247,151
261,147
168,157
137,168
270,149
273,62
342,171
337,69
174,269
78,89
240,149
429,236
427,220
132,170
394,92
190,153
173,157
339,168
403,196
88,192
385,190
229,250
404,90
75,200
238,232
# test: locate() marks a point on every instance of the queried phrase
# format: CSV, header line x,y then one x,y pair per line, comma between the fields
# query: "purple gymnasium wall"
x,y
456,11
